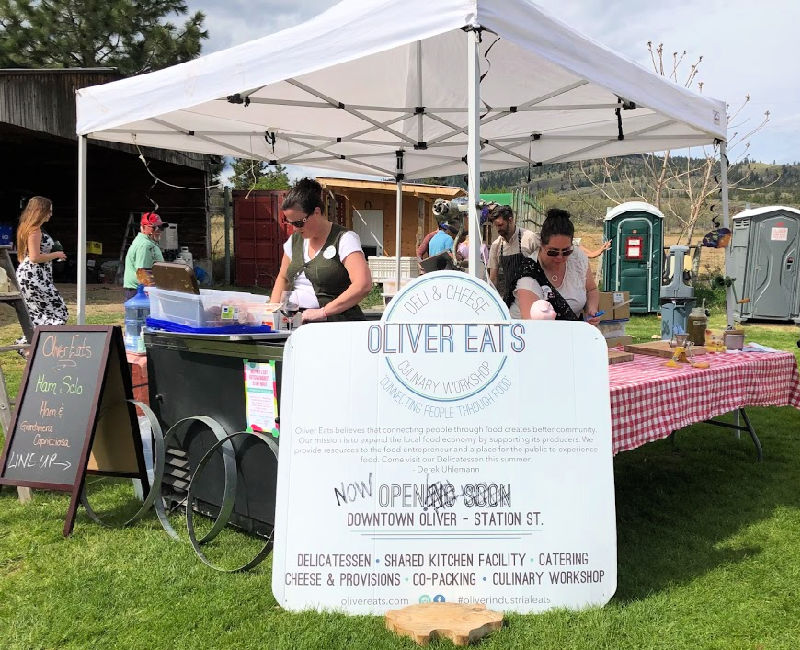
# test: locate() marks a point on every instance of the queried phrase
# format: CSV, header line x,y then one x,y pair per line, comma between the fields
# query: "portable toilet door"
x,y
633,263
765,258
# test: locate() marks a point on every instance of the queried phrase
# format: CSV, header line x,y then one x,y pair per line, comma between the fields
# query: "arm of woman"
x,y
35,248
360,286
526,295
592,298
598,252
282,281
526,299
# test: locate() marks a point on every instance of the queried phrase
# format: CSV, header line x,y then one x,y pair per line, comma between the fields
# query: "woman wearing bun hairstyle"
x,y
35,252
323,264
558,273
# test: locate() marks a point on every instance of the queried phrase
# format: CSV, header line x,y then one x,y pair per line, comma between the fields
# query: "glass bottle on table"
x,y
289,307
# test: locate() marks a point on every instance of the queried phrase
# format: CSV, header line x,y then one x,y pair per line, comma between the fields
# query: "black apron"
x,y
511,264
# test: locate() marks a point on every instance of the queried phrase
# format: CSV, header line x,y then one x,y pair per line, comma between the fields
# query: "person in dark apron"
x,y
323,271
512,246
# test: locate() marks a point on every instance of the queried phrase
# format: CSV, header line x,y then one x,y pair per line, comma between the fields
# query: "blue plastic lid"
x,y
168,326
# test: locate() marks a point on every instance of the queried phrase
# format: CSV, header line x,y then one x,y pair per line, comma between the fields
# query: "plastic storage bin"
x,y
208,309
612,328
6,234
385,268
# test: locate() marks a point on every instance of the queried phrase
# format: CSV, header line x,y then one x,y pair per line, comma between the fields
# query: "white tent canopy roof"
x,y
754,212
367,78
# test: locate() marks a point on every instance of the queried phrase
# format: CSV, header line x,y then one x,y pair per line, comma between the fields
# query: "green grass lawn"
x,y
708,557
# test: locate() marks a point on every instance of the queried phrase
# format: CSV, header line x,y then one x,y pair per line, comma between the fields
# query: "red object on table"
x,y
649,401
138,367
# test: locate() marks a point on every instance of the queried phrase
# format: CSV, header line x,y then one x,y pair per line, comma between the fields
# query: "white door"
x,y
369,226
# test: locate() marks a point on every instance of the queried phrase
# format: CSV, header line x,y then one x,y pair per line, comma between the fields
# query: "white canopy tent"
x,y
408,89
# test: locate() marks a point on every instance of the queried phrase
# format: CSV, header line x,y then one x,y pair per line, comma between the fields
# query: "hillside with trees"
x,y
584,188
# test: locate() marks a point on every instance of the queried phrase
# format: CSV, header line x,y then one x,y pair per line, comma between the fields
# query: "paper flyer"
x,y
261,402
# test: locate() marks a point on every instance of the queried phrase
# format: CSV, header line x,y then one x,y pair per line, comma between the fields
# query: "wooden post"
x,y
25,494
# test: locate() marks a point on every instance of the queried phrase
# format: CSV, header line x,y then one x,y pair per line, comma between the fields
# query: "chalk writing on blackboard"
x,y
72,414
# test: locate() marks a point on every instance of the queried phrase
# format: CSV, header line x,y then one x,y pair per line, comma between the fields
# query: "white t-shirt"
x,y
303,293
572,289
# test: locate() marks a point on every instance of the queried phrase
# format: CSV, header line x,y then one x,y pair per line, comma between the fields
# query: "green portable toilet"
x,y
633,263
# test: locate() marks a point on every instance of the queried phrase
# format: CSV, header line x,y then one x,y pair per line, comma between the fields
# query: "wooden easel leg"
x,y
25,494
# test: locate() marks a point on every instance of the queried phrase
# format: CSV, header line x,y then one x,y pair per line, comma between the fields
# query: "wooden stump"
x,y
462,624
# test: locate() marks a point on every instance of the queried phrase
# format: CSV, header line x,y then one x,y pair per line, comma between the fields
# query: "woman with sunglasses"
x,y
558,273
323,264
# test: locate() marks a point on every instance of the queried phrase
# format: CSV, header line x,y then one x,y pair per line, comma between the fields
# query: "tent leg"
x,y
81,230
398,219
473,148
730,296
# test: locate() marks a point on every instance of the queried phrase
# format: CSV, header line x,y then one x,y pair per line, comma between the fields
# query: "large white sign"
x,y
446,453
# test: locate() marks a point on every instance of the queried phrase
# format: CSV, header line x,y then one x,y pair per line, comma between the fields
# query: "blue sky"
x,y
748,48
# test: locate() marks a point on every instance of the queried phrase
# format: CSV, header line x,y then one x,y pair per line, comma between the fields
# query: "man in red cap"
x,y
143,251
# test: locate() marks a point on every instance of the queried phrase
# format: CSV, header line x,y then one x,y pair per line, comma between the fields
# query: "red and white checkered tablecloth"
x,y
649,400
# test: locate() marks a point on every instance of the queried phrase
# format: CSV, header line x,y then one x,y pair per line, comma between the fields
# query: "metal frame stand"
x,y
748,427
673,437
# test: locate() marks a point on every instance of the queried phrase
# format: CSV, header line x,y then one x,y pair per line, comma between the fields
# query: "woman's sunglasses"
x,y
555,252
298,224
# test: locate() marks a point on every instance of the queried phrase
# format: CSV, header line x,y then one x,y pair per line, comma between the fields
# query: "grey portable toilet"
x,y
633,263
764,252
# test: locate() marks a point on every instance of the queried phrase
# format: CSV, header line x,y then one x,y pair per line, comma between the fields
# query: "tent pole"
x,y
473,149
81,230
398,219
227,212
730,299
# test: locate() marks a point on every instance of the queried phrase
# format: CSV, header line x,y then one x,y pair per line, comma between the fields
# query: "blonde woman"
x,y
35,271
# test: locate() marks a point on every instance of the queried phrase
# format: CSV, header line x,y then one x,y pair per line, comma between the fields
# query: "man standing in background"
x,y
511,246
143,251
443,240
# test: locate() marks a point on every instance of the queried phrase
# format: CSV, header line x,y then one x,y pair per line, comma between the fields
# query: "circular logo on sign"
x,y
445,336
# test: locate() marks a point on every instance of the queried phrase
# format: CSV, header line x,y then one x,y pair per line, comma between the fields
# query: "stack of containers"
x,y
617,308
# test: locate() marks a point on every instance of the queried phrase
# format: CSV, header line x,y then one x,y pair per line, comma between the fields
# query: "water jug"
x,y
137,309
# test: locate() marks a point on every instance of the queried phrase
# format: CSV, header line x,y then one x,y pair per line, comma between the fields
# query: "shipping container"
x,y
259,232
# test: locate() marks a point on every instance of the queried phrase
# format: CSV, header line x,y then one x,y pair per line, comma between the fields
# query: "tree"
x,y
257,175
131,35
682,187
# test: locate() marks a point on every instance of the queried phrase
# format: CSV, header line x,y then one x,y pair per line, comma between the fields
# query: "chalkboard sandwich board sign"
x,y
72,414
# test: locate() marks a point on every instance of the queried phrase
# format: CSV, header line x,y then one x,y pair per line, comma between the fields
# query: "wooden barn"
x,y
369,208
40,155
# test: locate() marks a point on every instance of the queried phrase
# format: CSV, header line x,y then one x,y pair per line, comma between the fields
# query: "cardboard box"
x,y
605,304
609,300
618,298
615,341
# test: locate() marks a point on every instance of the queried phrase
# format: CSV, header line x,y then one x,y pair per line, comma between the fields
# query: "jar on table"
x,y
696,325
